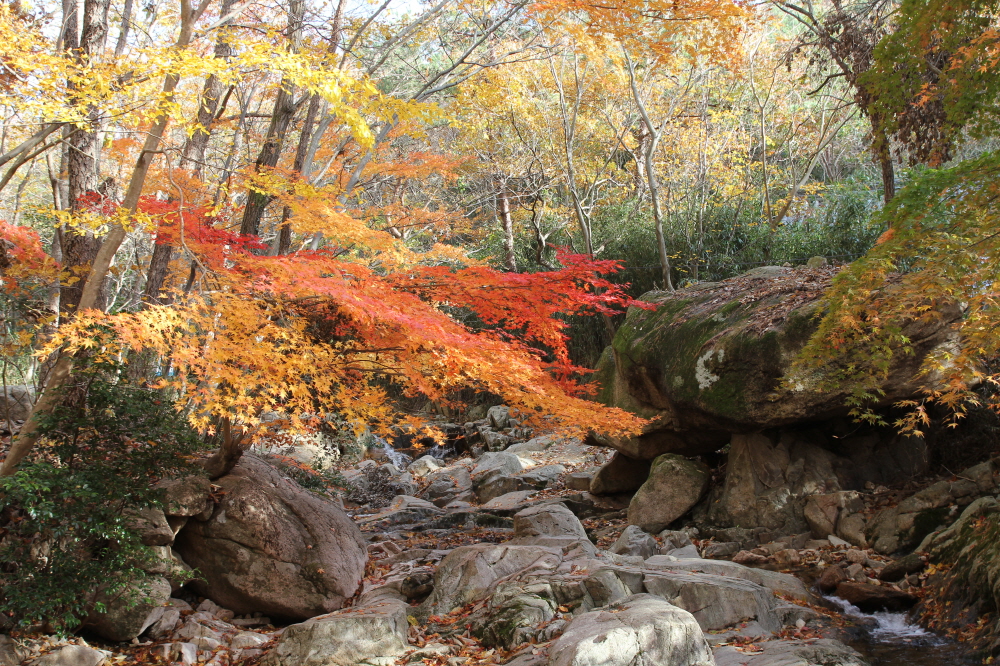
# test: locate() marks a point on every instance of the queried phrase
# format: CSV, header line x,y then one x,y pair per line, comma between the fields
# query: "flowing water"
x,y
397,458
889,639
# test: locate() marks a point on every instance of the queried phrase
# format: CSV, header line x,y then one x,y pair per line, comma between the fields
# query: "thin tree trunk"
x,y
281,118
507,222
654,191
193,157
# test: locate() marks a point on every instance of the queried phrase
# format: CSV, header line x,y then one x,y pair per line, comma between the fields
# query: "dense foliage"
x,y
69,512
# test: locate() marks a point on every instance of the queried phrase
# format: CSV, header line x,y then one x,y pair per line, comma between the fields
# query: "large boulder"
x,y
708,361
675,484
639,631
768,482
272,547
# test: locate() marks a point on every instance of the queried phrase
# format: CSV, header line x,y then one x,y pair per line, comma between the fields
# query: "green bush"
x,y
65,514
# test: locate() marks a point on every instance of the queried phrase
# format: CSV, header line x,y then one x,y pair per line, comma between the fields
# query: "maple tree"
x,y
355,313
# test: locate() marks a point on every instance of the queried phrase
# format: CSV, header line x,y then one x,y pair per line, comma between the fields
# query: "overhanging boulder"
x,y
708,361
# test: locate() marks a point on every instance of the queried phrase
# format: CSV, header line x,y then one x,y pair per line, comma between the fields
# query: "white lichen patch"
x,y
702,374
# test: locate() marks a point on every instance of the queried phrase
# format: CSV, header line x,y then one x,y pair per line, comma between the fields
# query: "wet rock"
x,y
714,550
343,638
910,564
273,547
675,484
831,578
620,475
870,598
749,558
639,631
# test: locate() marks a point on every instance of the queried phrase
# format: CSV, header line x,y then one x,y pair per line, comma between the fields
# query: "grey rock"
x,y
554,520
675,484
152,526
447,484
343,638
467,573
639,631
716,602
423,466
515,613
498,417
273,547
499,462
11,652
16,402
779,583
404,509
717,550
535,444
634,541
128,614
186,496
822,652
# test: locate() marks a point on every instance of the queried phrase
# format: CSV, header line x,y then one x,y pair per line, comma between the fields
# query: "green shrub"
x,y
65,514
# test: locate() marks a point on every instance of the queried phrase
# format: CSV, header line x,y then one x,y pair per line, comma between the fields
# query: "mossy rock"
x,y
708,361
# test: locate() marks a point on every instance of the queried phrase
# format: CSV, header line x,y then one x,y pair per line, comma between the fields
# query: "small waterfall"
x,y
400,460
889,626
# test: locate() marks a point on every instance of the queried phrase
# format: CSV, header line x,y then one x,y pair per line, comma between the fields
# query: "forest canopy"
x,y
305,208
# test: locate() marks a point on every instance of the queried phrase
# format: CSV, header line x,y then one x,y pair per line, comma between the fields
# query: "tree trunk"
x,y
192,157
507,222
83,154
281,117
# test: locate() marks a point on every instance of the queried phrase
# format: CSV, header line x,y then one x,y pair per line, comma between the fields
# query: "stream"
x,y
889,639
